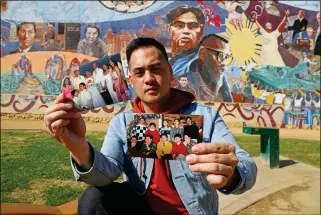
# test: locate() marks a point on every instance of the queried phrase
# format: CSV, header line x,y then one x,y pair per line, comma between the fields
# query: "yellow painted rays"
x,y
245,44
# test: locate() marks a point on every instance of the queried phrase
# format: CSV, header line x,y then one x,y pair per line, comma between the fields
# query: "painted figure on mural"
x,y
55,66
208,74
183,85
306,35
92,45
2,45
26,36
300,24
317,41
234,17
270,54
51,41
24,64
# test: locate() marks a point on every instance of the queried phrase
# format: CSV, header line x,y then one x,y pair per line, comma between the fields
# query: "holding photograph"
x,y
162,136
97,84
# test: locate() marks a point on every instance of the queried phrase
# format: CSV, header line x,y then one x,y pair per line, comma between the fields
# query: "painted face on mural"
x,y
51,28
91,35
215,55
185,31
26,35
268,27
183,82
150,75
310,31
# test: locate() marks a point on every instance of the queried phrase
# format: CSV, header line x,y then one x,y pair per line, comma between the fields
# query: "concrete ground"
x,y
292,189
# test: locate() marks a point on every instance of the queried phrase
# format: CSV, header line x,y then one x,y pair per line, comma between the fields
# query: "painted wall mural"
x,y
256,53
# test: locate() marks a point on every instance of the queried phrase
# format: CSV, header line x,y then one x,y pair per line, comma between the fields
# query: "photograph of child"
x,y
162,136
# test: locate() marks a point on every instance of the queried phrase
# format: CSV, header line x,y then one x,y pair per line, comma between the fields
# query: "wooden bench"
x,y
269,144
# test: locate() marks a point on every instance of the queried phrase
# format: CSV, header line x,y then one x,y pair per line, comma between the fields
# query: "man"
x,y
165,129
178,147
208,77
149,147
99,77
51,41
92,45
186,27
175,129
299,24
307,35
166,187
317,36
135,147
152,131
183,85
26,35
164,148
191,130
139,130
77,79
188,143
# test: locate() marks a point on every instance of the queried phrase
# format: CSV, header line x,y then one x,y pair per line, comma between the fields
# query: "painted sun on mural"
x,y
237,52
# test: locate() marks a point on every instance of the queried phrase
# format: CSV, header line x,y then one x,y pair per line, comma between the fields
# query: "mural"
x,y
253,52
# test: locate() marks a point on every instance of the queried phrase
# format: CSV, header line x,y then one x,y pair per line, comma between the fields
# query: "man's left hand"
x,y
217,160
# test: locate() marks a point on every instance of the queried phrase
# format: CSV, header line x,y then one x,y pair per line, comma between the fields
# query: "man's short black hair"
x,y
150,124
177,135
149,135
189,118
185,9
164,135
27,23
73,92
145,42
83,84
182,76
134,137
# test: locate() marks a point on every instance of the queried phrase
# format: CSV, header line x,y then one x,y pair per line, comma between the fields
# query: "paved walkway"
x,y
270,181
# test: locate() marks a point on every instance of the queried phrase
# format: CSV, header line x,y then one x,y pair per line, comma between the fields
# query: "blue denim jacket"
x,y
198,196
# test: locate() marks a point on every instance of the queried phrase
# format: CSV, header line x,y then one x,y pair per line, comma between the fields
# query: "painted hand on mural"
x,y
217,160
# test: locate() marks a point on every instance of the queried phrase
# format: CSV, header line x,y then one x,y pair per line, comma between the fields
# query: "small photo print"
x,y
97,84
163,136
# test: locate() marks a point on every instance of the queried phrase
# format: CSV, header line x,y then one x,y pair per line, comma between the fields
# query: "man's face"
x,y
51,28
26,35
185,31
152,127
133,140
95,66
183,82
189,121
214,57
76,73
187,139
177,139
91,35
164,138
150,75
148,140
176,123
310,31
76,94
301,14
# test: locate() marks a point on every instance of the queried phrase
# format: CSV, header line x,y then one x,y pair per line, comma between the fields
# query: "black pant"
x,y
116,198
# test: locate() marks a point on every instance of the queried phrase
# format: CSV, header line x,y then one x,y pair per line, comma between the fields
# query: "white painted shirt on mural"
x,y
278,98
270,54
76,81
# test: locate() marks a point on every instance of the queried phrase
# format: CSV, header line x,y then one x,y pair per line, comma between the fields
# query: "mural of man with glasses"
x,y
208,74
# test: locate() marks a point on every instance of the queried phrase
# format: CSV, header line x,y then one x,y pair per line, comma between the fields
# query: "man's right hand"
x,y
64,124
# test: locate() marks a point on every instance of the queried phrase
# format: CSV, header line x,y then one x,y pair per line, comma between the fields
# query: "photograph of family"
x,y
96,84
163,136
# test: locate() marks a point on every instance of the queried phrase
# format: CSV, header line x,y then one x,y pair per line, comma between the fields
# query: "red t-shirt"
x,y
179,149
161,194
155,135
